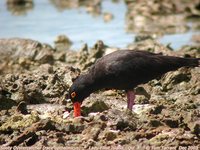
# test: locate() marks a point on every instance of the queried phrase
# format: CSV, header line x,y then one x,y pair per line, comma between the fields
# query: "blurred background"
x,y
116,22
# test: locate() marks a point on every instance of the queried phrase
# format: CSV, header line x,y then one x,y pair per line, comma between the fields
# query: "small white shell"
x,y
65,114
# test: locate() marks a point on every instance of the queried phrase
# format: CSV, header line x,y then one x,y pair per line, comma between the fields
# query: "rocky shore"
x,y
34,82
35,78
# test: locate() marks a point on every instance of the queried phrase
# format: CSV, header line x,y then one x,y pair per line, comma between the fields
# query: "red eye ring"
x,y
73,94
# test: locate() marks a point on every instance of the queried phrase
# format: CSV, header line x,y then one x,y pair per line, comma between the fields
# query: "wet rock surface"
x,y
160,17
92,7
19,7
35,112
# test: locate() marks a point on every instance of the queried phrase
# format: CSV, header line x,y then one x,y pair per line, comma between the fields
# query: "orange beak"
x,y
77,109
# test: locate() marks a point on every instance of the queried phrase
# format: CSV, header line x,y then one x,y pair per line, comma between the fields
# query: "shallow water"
x,y
44,22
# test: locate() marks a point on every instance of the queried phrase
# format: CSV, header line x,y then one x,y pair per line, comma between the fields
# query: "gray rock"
x,y
174,78
93,130
110,135
28,49
122,120
94,106
62,42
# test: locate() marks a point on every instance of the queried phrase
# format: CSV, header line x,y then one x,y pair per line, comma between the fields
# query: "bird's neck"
x,y
90,84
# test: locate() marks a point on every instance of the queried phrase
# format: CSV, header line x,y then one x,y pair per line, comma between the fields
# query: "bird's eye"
x,y
73,94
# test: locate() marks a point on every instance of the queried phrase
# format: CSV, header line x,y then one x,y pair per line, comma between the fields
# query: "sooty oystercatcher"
x,y
124,70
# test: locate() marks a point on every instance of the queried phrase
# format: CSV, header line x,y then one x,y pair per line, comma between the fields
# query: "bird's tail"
x,y
192,62
177,62
198,62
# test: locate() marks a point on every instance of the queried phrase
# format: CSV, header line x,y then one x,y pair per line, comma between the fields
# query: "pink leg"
x,y
131,97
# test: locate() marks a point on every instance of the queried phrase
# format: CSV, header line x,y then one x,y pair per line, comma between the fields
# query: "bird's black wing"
x,y
126,69
122,69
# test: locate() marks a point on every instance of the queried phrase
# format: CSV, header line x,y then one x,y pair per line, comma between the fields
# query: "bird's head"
x,y
78,91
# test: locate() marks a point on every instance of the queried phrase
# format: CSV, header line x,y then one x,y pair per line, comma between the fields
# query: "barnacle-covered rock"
x,y
19,121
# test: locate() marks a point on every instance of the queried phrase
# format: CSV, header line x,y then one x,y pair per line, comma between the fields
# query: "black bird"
x,y
124,70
